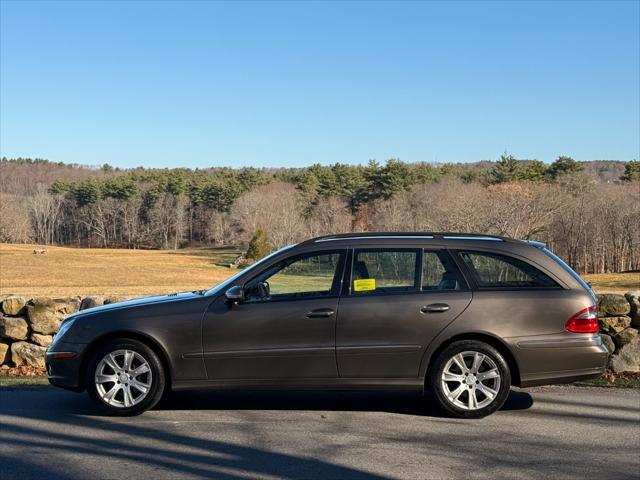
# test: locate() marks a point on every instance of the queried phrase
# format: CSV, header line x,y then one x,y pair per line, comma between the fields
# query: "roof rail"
x,y
435,235
536,244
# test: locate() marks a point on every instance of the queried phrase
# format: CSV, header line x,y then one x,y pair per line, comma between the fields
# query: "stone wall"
x,y
27,327
619,319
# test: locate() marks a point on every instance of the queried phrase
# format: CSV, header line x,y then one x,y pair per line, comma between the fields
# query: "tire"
x,y
125,377
462,394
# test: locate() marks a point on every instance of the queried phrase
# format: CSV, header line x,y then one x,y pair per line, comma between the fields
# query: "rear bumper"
x,y
562,358
566,376
65,372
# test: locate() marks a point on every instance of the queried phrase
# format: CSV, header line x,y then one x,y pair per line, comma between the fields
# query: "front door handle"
x,y
320,313
435,308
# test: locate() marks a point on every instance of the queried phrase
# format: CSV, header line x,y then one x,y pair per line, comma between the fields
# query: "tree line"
x,y
591,223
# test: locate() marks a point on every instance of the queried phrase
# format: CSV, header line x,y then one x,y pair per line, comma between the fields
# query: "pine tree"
x,y
535,171
507,169
564,165
631,171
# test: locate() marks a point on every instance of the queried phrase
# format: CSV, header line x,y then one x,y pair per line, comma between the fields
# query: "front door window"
x,y
305,276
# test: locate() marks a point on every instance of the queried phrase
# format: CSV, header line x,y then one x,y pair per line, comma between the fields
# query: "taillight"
x,y
585,321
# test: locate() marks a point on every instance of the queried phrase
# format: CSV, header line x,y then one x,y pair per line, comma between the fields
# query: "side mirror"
x,y
234,294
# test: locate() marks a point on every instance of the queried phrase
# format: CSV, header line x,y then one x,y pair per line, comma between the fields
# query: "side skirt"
x,y
414,384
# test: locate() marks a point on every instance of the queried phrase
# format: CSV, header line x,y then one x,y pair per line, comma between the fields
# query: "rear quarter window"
x,y
491,270
571,272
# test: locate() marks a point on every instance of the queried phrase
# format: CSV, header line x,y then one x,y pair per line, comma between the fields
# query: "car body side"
x,y
516,321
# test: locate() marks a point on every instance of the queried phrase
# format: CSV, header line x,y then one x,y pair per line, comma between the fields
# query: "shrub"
x,y
258,246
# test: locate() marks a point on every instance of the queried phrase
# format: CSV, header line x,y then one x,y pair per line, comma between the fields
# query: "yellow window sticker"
x,y
364,284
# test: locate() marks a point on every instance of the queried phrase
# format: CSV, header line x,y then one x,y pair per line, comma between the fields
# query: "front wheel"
x,y
470,379
125,377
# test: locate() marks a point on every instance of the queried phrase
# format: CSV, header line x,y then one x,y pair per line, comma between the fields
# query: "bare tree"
x,y
329,215
44,210
15,226
168,219
276,208
219,228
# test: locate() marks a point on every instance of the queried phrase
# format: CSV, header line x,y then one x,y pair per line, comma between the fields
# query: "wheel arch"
x,y
495,342
149,341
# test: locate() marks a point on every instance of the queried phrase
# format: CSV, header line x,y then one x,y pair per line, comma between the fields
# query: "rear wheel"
x,y
470,379
125,377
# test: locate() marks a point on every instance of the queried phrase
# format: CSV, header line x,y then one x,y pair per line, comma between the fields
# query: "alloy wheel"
x,y
471,380
123,378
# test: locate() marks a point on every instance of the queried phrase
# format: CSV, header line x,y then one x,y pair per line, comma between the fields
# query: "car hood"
x,y
141,302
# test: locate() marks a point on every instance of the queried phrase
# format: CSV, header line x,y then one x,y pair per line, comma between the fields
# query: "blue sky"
x,y
164,84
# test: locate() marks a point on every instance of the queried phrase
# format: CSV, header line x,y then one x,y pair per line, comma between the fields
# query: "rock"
x,y
634,303
42,340
612,305
45,315
90,302
25,353
614,325
628,357
15,328
109,300
625,336
67,305
608,342
5,353
13,305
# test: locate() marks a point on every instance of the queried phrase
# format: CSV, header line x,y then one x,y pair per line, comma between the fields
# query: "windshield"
x,y
570,270
230,280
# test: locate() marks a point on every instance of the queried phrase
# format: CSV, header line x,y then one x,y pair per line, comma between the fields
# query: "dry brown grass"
x,y
66,271
614,282
94,271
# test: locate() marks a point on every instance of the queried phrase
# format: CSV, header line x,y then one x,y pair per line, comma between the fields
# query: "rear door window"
x,y
490,270
438,272
378,271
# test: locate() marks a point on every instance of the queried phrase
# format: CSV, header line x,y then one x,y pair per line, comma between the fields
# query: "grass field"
x,y
94,271
22,382
614,282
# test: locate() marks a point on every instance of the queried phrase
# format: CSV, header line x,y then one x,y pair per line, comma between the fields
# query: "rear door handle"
x,y
435,308
320,313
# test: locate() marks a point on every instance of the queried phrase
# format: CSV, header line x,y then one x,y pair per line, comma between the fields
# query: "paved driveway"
x,y
554,432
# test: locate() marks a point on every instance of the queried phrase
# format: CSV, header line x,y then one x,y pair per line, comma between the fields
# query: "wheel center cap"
x,y
470,380
123,377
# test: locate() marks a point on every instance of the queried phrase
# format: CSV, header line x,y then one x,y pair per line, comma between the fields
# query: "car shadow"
x,y
405,403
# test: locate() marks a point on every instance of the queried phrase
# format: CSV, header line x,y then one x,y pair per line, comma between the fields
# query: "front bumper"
x,y
65,372
561,358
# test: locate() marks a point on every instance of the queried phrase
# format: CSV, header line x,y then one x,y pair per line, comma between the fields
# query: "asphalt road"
x,y
553,432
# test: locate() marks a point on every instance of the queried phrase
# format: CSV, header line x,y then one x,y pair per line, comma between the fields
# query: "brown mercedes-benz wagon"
x,y
461,316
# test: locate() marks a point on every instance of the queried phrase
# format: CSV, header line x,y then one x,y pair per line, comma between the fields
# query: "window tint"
x,y
437,274
383,271
310,275
499,271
